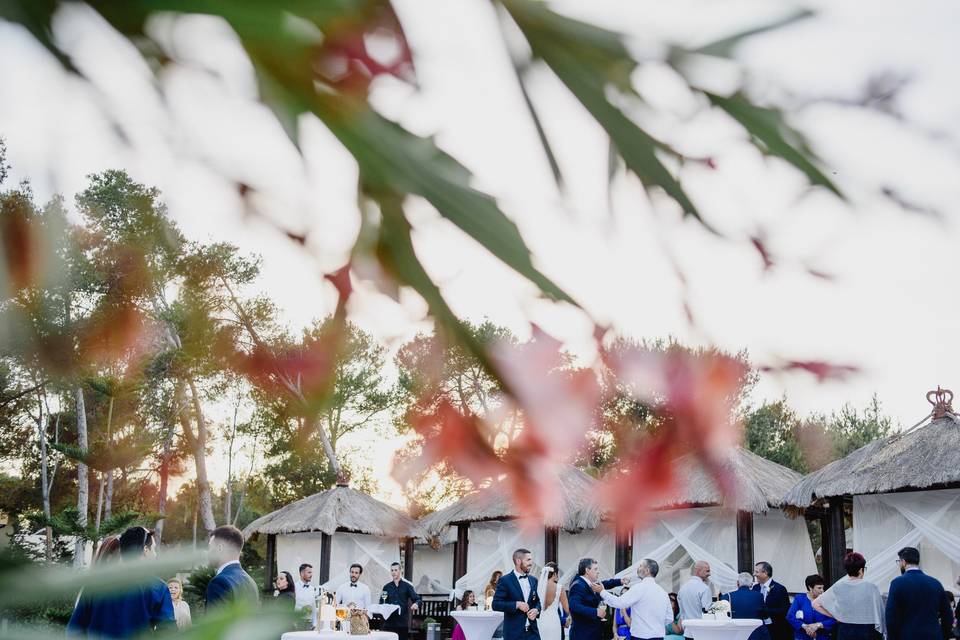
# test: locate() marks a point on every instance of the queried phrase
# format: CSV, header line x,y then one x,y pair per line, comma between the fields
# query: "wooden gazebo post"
x,y
325,543
833,540
745,558
623,539
408,559
551,544
271,562
460,551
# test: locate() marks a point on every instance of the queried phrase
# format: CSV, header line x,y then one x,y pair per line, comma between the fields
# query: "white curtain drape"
x,y
432,568
785,543
374,554
491,547
598,544
928,520
679,537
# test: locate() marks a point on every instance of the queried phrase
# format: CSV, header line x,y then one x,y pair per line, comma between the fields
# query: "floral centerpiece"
x,y
720,610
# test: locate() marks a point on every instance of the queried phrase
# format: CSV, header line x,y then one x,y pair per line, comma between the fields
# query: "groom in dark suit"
x,y
516,597
584,599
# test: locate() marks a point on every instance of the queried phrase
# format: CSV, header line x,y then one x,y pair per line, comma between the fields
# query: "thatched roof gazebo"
x,y
489,506
902,479
730,531
322,516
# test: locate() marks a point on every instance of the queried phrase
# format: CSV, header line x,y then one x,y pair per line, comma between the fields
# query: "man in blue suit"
x,y
916,607
745,603
584,599
516,597
775,600
231,583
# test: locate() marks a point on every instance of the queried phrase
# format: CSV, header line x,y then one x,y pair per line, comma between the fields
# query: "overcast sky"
x,y
889,308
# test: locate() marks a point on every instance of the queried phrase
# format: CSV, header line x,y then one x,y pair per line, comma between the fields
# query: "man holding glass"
x,y
401,593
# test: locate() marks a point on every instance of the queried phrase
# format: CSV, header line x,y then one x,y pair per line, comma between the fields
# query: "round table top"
x,y
467,613
336,635
730,622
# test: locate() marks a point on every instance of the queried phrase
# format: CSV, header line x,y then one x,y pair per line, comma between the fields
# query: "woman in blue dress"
x,y
804,618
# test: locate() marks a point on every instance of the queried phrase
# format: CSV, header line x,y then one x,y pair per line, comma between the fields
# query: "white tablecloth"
x,y
735,629
478,625
336,635
386,610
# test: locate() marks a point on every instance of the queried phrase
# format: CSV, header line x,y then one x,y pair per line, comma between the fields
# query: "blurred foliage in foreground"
x,y
312,58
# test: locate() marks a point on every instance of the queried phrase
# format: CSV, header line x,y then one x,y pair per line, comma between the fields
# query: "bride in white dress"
x,y
552,596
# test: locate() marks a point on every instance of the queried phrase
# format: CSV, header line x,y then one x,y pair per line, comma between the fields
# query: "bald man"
x,y
696,596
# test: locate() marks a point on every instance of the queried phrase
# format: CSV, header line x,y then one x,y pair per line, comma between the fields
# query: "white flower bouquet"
x,y
720,610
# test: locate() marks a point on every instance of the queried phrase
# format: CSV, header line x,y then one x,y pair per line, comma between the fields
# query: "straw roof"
x,y
495,503
759,484
340,508
924,457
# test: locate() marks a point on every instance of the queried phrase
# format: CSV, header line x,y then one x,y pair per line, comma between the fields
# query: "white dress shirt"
x,y
693,598
355,592
650,609
524,584
305,595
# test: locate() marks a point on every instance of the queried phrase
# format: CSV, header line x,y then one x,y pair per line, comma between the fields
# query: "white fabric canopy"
x,y
598,544
372,553
927,520
677,538
432,568
491,546
785,543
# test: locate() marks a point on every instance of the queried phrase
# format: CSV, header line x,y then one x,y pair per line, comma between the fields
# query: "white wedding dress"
x,y
549,621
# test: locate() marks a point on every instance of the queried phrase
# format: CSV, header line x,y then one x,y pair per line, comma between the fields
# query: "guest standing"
x,y
746,603
286,590
585,602
695,596
916,607
650,610
304,588
775,599
231,583
133,611
490,589
354,593
804,618
401,593
181,608
854,603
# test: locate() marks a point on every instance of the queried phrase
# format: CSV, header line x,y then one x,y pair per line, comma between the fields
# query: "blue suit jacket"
x,y
777,604
230,585
505,599
916,608
745,603
583,608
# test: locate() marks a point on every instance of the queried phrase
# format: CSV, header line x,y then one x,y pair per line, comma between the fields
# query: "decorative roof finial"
x,y
343,479
941,401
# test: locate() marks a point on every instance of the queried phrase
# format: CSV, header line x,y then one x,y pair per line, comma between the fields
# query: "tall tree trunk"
x,y
196,510
198,443
164,481
108,506
108,499
83,481
96,522
44,481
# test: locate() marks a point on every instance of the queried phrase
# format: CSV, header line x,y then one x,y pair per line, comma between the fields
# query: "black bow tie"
x,y
306,584
523,577
353,586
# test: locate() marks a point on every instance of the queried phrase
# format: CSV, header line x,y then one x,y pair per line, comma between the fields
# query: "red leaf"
x,y
820,369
